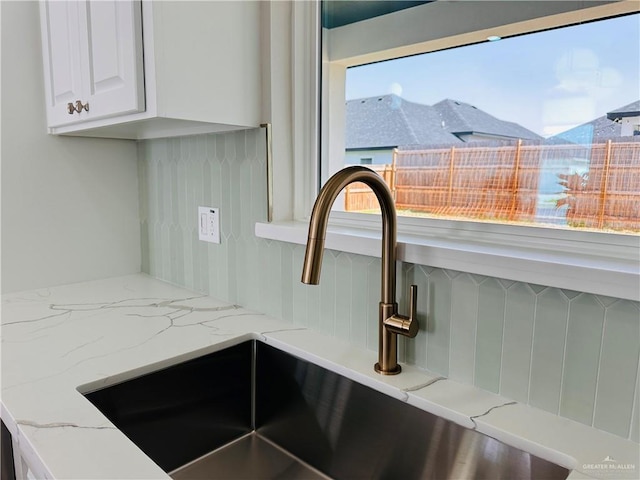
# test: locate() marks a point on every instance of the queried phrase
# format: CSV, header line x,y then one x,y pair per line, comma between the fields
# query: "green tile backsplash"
x,y
584,337
570,353
549,335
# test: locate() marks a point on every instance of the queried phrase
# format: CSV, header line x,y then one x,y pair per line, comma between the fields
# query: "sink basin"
x,y
255,412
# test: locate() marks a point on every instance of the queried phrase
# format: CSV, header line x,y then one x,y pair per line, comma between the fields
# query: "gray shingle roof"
x,y
460,117
598,129
388,121
631,110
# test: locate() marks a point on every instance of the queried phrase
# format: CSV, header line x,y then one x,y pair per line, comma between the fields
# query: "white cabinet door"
x,y
92,53
200,73
111,57
61,52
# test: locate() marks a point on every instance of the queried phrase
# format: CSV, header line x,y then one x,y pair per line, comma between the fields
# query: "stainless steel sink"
x,y
254,412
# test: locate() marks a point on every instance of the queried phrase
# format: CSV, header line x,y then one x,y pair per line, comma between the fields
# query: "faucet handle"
x,y
402,325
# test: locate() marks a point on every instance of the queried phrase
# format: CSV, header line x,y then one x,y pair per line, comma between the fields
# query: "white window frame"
x,y
593,262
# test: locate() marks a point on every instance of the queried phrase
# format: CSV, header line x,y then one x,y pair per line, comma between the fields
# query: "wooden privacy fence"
x,y
608,196
596,186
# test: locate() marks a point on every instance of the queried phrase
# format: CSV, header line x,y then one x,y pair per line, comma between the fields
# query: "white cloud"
x,y
560,114
580,71
396,89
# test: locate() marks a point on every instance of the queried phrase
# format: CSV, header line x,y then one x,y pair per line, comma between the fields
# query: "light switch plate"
x,y
209,224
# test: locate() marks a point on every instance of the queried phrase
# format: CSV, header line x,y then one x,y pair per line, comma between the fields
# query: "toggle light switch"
x,y
209,224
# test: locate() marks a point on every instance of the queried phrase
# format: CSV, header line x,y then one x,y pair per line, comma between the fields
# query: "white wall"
x,y
629,125
378,157
69,205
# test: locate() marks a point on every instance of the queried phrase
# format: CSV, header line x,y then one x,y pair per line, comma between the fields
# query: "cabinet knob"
x,y
80,106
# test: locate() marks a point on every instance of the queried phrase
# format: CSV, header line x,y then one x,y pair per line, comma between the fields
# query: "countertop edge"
x,y
134,324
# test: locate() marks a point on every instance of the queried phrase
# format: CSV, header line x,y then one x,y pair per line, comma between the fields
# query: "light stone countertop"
x,y
60,340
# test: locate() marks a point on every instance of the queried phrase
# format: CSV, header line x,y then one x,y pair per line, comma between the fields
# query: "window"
x,y
577,259
533,127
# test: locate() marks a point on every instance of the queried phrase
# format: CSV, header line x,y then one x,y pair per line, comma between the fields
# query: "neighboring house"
x,y
621,122
470,124
377,125
628,117
575,160
597,130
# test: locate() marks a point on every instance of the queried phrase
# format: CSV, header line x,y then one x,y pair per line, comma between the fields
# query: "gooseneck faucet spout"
x,y
390,323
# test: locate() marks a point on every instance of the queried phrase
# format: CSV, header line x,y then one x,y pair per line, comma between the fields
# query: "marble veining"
x,y
423,385
474,417
174,311
29,423
61,341
278,330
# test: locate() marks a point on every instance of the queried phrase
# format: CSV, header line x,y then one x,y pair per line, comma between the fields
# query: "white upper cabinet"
x,y
92,55
61,54
112,57
151,69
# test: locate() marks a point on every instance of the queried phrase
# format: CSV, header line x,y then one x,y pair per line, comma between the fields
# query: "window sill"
x,y
578,266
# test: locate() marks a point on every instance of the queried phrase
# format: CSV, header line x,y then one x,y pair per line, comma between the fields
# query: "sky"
x,y
547,82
